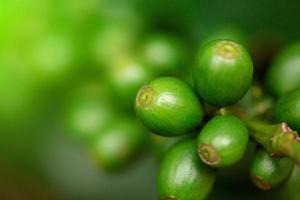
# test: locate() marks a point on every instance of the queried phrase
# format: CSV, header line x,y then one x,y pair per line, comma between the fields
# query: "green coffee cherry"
x,y
287,109
87,117
223,72
269,172
87,112
119,143
168,107
223,141
283,75
164,53
183,176
52,59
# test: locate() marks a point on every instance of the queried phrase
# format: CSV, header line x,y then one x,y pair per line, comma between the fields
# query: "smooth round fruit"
x,y
287,109
87,112
223,141
168,106
163,53
283,75
269,172
223,72
183,176
52,59
119,143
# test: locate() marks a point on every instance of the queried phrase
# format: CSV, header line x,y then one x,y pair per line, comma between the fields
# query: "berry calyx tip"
x,y
260,183
145,96
208,154
228,50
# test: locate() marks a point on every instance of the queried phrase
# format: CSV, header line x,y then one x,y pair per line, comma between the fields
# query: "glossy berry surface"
x,y
287,109
223,72
168,106
283,75
183,176
269,172
223,141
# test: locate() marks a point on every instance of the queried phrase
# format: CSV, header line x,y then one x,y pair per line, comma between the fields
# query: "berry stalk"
x,y
277,139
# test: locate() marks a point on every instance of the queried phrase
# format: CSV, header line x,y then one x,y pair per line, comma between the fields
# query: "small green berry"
x,y
283,75
223,141
119,143
168,106
223,72
87,112
183,176
52,59
269,172
287,109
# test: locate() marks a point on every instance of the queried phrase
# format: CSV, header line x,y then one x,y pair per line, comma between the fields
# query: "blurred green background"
x,y
69,71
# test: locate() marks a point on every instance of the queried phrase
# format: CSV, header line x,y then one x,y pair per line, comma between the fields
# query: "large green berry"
x,y
223,72
269,172
183,176
168,106
283,75
223,141
163,53
119,143
287,109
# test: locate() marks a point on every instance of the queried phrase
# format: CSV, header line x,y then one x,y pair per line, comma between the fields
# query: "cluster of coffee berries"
x,y
219,123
